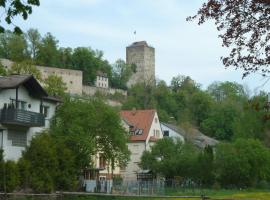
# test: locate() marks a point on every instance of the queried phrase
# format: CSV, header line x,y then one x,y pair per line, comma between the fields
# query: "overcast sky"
x,y
108,25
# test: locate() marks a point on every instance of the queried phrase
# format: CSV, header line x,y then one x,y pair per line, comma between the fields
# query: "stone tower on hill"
x,y
143,56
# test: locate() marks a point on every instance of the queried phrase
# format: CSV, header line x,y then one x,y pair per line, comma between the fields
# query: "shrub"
x,y
11,176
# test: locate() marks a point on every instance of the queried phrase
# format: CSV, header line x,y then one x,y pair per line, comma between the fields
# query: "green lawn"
x,y
245,195
213,194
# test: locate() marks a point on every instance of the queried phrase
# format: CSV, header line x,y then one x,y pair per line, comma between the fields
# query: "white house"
x,y
193,135
144,129
173,131
25,110
102,80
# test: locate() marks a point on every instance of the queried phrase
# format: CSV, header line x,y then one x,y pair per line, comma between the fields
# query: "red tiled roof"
x,y
140,119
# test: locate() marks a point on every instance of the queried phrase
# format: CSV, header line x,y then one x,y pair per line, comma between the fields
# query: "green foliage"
x,y
34,41
226,90
170,158
89,62
55,86
47,165
14,8
11,176
3,71
221,121
13,46
2,171
205,169
243,163
24,173
47,51
41,155
66,176
121,74
140,96
95,127
25,67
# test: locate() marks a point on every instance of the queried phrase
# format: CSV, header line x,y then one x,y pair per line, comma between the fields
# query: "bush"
x,y
242,164
11,176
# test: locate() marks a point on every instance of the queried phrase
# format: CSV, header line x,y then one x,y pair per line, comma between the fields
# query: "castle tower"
x,y
143,56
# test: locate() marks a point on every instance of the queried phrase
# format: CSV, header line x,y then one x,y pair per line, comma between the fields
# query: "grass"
x,y
246,195
249,194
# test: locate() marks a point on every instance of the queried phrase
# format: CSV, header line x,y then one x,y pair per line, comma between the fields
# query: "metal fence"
x,y
158,187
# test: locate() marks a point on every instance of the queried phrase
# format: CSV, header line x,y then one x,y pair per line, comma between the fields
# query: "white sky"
x,y
108,25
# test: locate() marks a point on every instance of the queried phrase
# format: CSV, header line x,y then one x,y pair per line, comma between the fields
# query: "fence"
x,y
158,187
87,196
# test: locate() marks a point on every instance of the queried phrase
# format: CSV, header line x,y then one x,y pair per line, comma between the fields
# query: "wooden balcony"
x,y
13,116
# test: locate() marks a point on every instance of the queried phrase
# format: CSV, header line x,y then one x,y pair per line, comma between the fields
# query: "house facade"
x,y
144,129
172,131
25,110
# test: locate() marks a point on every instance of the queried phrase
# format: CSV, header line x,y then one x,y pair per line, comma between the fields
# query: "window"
x,y
17,137
157,133
102,161
166,133
44,110
156,120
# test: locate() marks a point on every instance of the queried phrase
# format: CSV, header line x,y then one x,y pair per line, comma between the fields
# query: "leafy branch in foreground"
x,y
244,27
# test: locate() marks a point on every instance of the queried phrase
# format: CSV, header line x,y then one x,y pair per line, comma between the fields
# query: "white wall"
x,y
137,149
155,128
14,152
130,172
172,133
102,82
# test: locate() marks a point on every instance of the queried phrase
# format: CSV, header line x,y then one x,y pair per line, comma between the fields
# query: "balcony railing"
x,y
13,116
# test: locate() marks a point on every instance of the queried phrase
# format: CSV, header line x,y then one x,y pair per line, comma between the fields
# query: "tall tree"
x,y
95,128
226,90
90,61
121,74
244,27
65,56
55,86
34,40
47,53
16,46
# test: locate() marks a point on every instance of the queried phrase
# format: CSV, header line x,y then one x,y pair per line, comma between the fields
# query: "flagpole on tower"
x,y
135,34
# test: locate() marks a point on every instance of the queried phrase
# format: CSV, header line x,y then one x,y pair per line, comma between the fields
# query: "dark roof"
x,y
28,81
53,98
194,136
102,74
139,43
178,130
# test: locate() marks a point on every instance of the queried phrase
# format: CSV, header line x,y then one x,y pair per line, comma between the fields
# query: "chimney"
x,y
133,111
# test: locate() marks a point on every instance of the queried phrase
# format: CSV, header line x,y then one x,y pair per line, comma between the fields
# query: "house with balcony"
x,y
25,110
144,129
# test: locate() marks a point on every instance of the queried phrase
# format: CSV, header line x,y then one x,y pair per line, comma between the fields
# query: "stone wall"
x,y
72,78
91,90
143,56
